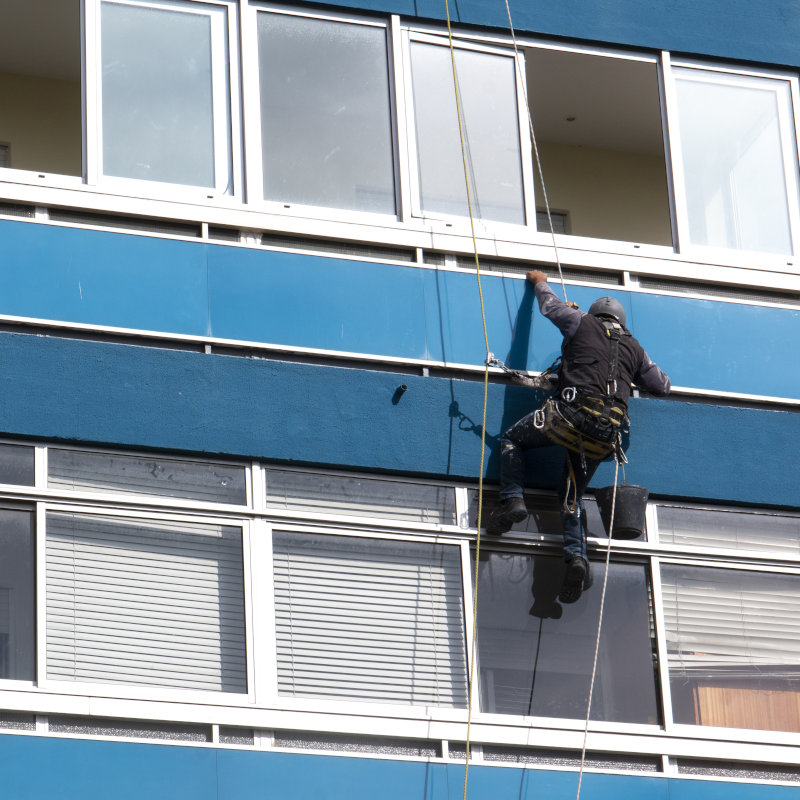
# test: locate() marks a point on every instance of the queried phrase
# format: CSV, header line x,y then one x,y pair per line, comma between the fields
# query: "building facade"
x,y
242,337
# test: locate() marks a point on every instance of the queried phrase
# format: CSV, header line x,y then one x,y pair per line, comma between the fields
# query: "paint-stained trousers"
x,y
524,436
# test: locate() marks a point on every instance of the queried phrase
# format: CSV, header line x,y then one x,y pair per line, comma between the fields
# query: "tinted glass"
x,y
17,601
16,464
325,119
491,129
536,654
157,95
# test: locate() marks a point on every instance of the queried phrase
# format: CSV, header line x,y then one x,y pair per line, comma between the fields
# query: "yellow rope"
x,y
470,683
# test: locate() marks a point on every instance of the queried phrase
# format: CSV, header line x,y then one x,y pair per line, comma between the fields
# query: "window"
x,y
40,83
488,94
733,641
145,602
165,88
536,654
739,154
326,127
17,599
598,127
369,619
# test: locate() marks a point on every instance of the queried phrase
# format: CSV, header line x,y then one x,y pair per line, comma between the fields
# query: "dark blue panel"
x,y
147,397
63,769
99,278
734,29
308,301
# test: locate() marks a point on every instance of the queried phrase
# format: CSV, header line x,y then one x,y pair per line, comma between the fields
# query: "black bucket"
x,y
628,511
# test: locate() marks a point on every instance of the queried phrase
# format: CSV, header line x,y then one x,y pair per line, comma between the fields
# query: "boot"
x,y
505,515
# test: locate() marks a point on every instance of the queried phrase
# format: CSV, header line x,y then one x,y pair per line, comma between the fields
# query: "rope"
x,y
471,680
524,85
599,628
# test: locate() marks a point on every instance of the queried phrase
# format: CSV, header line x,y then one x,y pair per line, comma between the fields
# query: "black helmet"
x,y
608,307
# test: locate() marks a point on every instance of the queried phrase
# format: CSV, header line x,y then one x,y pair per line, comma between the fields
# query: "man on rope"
x,y
600,360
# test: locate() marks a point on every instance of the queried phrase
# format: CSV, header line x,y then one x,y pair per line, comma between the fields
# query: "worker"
x,y
599,361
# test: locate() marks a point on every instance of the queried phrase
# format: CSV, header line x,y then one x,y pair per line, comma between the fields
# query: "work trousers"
x,y
524,436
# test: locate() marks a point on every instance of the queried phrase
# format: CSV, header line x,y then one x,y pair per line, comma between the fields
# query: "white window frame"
x,y
121,690
225,105
789,125
460,224
252,115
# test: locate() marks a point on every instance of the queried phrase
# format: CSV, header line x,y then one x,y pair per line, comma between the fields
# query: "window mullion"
x,y
401,109
661,643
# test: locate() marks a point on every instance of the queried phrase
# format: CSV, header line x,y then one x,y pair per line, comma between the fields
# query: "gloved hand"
x,y
536,276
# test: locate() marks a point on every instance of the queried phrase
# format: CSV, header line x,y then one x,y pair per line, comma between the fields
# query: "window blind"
x,y
130,474
731,623
143,602
368,619
701,527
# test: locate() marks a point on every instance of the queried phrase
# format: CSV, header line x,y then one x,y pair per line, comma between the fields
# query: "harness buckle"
x,y
538,419
568,394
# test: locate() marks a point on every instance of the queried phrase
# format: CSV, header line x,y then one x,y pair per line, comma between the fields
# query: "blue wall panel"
x,y
243,294
163,399
62,769
735,29
74,275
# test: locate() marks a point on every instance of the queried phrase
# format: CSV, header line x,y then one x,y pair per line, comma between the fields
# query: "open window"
x,y
598,126
165,94
40,84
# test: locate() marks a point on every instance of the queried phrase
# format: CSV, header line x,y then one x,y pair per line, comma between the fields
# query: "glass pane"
x,y
734,169
108,472
491,129
544,514
361,497
17,601
369,619
733,642
157,95
145,602
325,119
536,654
16,464
702,527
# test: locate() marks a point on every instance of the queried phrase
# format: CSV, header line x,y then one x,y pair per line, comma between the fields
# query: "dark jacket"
x,y
586,351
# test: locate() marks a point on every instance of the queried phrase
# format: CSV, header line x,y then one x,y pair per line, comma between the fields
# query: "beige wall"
x,y
608,194
41,120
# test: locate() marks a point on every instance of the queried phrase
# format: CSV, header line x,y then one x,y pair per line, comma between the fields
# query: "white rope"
x,y
524,85
599,628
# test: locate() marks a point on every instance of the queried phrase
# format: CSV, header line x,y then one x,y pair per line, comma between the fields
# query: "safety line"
x,y
524,85
471,680
599,627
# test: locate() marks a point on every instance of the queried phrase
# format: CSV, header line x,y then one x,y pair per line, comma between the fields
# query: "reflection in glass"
x,y
733,161
325,118
16,464
17,602
491,128
157,95
536,654
733,642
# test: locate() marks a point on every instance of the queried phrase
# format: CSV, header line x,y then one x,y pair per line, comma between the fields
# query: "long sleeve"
x,y
652,378
566,319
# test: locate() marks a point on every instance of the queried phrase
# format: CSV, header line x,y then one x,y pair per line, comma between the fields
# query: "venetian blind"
x,y
731,623
144,602
369,619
